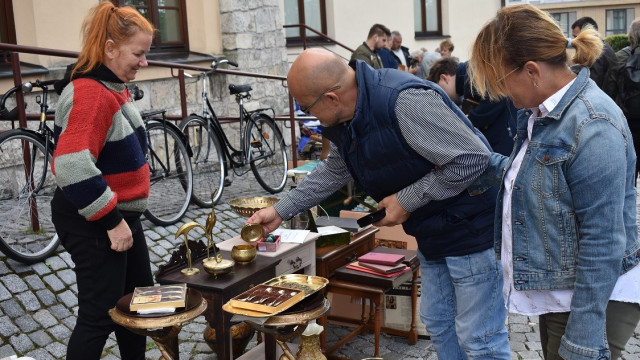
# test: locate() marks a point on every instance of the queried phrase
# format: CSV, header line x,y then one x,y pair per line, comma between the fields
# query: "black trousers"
x,y
104,276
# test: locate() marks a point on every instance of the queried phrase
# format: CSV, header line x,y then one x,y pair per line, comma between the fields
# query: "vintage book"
x,y
158,297
354,266
332,235
383,269
381,258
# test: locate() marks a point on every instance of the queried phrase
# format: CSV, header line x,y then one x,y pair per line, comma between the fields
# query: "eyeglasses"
x,y
510,72
307,109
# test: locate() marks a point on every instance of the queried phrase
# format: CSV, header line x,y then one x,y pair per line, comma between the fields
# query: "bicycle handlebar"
x,y
27,87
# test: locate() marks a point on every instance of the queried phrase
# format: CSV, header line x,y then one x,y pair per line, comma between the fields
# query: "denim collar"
x,y
574,91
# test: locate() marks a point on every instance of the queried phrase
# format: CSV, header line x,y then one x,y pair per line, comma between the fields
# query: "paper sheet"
x,y
292,236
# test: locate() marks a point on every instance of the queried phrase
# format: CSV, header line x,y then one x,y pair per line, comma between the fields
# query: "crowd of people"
x,y
514,171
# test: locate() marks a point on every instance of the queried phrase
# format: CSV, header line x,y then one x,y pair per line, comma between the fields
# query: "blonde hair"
x,y
518,34
105,22
446,44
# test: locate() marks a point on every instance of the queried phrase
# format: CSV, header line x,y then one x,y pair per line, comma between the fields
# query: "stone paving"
x,y
38,303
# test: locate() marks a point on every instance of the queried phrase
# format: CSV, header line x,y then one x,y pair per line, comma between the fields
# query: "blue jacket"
x,y
574,209
495,119
388,59
382,163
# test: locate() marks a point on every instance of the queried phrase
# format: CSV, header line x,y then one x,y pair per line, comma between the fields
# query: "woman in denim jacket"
x,y
565,225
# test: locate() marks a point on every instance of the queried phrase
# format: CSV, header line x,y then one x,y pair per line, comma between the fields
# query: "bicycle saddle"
x,y
237,89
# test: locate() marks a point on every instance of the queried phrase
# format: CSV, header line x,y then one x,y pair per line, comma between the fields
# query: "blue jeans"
x,y
462,306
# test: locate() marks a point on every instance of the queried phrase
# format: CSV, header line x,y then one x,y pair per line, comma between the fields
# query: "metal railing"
x,y
303,33
14,58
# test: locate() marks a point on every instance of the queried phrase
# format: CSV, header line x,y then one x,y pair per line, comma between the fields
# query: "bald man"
x,y
413,151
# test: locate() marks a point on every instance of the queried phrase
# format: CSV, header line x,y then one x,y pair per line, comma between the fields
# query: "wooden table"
x,y
373,287
330,258
294,257
219,291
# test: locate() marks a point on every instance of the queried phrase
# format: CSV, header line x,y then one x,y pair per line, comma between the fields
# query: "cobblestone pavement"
x,y
38,303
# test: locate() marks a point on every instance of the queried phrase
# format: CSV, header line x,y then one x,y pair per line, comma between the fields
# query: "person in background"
x,y
565,223
400,53
416,155
495,119
614,81
428,59
446,48
601,65
368,50
103,177
387,58
416,61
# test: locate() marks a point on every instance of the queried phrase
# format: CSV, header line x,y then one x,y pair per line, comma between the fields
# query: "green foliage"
x,y
617,42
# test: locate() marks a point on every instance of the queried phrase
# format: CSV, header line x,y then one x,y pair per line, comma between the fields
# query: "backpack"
x,y
630,89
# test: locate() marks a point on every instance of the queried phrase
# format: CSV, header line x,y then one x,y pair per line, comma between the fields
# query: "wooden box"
x,y
264,246
267,299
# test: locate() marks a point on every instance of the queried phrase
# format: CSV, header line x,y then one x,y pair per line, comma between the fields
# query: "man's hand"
x,y
395,213
413,69
120,236
268,218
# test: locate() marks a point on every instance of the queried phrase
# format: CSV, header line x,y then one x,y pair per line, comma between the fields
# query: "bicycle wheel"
x,y
207,162
26,189
171,181
267,153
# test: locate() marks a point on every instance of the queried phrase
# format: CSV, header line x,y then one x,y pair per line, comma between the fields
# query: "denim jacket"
x,y
573,209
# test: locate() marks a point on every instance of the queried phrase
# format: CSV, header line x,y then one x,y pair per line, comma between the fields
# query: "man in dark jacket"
x,y
413,151
368,50
400,53
614,80
600,67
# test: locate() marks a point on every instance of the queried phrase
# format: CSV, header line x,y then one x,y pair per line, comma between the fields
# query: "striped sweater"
x,y
99,161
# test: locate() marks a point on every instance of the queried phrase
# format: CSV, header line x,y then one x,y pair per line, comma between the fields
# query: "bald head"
x,y
314,71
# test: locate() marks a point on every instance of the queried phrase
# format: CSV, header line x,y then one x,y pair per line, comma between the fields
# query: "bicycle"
x,y
261,146
168,157
27,186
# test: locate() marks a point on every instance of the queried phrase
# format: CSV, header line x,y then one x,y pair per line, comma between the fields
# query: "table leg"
x,y
220,321
166,339
377,323
413,331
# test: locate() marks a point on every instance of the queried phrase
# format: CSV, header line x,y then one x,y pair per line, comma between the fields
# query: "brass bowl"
x,y
244,253
215,268
248,206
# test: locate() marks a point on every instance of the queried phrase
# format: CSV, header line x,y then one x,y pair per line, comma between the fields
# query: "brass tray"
x,y
248,206
267,299
309,284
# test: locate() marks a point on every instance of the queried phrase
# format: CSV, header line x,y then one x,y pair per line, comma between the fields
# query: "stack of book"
x,y
158,299
379,263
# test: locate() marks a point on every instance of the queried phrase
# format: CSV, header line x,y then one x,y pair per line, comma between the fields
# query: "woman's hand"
x,y
121,237
268,218
395,213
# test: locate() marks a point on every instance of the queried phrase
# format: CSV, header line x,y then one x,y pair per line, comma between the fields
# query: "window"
x,y
169,17
427,18
619,20
564,20
7,26
308,12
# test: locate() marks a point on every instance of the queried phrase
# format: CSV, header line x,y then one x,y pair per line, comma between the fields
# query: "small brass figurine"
x,y
184,230
215,265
